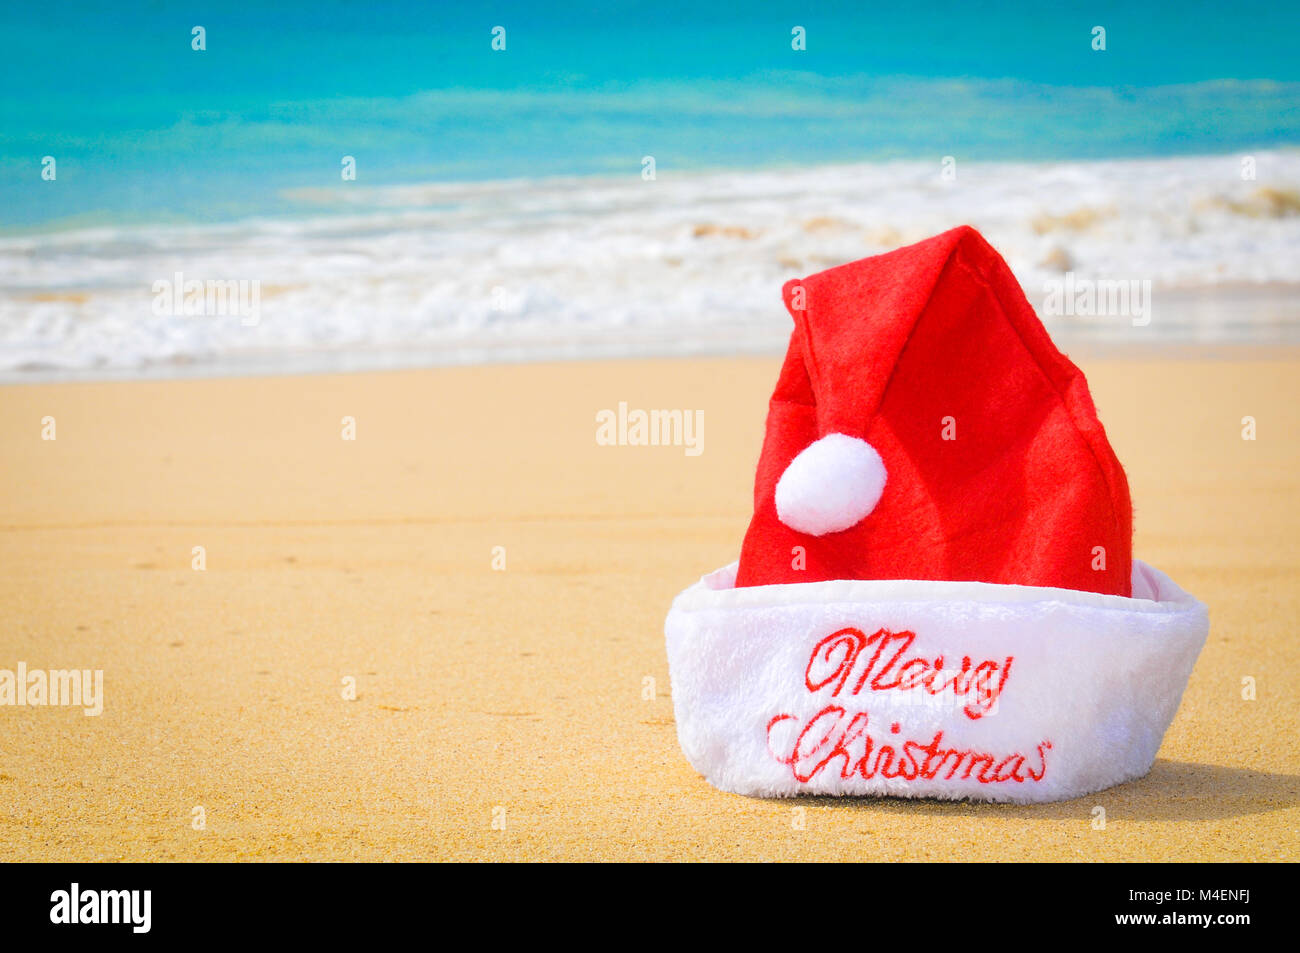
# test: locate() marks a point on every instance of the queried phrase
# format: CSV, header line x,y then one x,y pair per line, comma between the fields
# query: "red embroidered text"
x,y
842,662
835,739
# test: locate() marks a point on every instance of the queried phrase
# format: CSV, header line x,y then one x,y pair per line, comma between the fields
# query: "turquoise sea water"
x,y
146,130
499,210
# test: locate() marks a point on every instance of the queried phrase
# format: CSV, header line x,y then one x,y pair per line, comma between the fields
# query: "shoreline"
x,y
1250,308
1165,250
274,367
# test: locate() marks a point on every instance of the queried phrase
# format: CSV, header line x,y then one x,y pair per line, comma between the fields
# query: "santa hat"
x,y
936,595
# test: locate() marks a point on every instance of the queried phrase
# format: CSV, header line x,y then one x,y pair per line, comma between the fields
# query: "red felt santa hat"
x,y
936,596
925,427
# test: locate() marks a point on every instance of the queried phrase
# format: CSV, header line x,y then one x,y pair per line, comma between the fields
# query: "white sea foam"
x,y
687,262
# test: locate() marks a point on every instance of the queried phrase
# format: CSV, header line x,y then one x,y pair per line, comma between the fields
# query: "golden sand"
x,y
501,714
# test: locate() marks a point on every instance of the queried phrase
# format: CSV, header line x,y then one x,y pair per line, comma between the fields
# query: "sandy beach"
x,y
514,704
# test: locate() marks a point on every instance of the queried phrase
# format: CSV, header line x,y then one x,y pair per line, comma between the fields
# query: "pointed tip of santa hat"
x,y
833,484
894,350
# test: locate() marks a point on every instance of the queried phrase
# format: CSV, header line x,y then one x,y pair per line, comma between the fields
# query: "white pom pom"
x,y
831,485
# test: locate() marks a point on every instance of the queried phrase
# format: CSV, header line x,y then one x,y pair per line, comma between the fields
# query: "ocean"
x,y
620,178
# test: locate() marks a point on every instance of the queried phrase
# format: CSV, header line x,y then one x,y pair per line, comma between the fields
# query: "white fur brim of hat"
x,y
928,689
